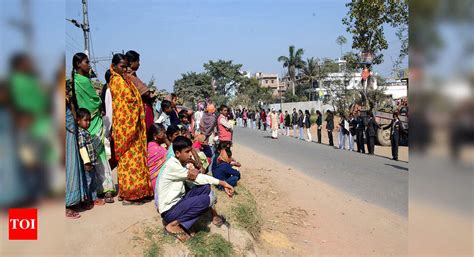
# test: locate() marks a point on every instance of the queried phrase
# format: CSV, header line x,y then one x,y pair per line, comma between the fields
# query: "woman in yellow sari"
x,y
129,134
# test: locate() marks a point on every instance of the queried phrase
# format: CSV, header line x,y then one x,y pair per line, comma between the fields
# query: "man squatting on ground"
x,y
180,207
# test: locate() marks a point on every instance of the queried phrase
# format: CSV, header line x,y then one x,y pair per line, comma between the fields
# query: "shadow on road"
x,y
397,167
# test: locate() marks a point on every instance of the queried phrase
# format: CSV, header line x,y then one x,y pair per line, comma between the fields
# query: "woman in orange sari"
x,y
129,134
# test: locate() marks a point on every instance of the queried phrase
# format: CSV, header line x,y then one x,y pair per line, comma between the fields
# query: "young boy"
x,y
88,154
179,207
223,170
164,118
183,119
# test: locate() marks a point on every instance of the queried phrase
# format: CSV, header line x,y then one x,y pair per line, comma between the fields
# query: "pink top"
x,y
224,133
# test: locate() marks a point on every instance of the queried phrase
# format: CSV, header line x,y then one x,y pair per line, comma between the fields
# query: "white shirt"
x,y
197,118
164,119
171,181
108,111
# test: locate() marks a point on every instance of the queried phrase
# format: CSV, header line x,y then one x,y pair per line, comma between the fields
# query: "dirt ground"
x,y
306,217
301,217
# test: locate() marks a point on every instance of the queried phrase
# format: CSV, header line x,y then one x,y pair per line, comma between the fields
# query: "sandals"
x,y
222,221
99,202
109,198
70,214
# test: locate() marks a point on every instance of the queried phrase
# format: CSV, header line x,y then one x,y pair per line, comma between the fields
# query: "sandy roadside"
x,y
301,217
306,217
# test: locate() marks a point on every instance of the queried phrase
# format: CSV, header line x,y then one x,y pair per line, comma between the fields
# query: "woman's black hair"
x,y
225,106
82,113
318,112
181,142
154,129
306,112
117,58
165,104
76,59
171,130
107,76
182,114
132,56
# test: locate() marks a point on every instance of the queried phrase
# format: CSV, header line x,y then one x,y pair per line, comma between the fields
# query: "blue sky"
x,y
175,37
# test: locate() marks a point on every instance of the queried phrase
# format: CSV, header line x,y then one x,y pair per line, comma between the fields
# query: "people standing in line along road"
x,y
268,121
371,132
281,119
294,121
395,131
263,118
307,124
352,131
300,124
287,123
360,128
343,132
274,120
257,119
319,123
330,126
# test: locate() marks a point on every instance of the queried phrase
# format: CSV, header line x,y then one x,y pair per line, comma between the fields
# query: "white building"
x,y
396,88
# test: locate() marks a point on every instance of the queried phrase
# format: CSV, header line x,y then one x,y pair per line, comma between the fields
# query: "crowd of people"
x,y
355,129
172,156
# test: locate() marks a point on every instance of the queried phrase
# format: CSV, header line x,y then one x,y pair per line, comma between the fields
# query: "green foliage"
x,y
341,40
226,75
250,94
246,213
292,62
365,21
193,87
205,244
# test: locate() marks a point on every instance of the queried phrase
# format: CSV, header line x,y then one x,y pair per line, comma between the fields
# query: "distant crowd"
x,y
355,129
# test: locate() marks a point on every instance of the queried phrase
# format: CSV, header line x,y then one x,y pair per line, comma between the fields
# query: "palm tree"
x,y
292,62
341,40
310,72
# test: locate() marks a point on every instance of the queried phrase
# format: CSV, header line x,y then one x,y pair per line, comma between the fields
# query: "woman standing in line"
x,y
307,124
319,122
301,124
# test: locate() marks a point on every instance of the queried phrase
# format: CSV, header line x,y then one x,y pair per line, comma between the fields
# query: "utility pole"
x,y
84,26
25,25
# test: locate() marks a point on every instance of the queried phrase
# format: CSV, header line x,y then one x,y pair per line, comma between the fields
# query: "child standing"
x,y
156,153
88,155
166,110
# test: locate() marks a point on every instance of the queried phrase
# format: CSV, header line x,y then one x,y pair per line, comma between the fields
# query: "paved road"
x,y
375,179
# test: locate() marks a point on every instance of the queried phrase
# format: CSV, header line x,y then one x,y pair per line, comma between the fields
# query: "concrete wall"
x,y
316,105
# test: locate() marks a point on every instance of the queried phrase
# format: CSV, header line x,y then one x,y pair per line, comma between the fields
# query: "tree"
x,y
151,83
292,62
193,87
250,94
226,75
365,21
341,40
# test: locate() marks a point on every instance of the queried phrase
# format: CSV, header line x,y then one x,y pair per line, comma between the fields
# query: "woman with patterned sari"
x,y
129,134
87,98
